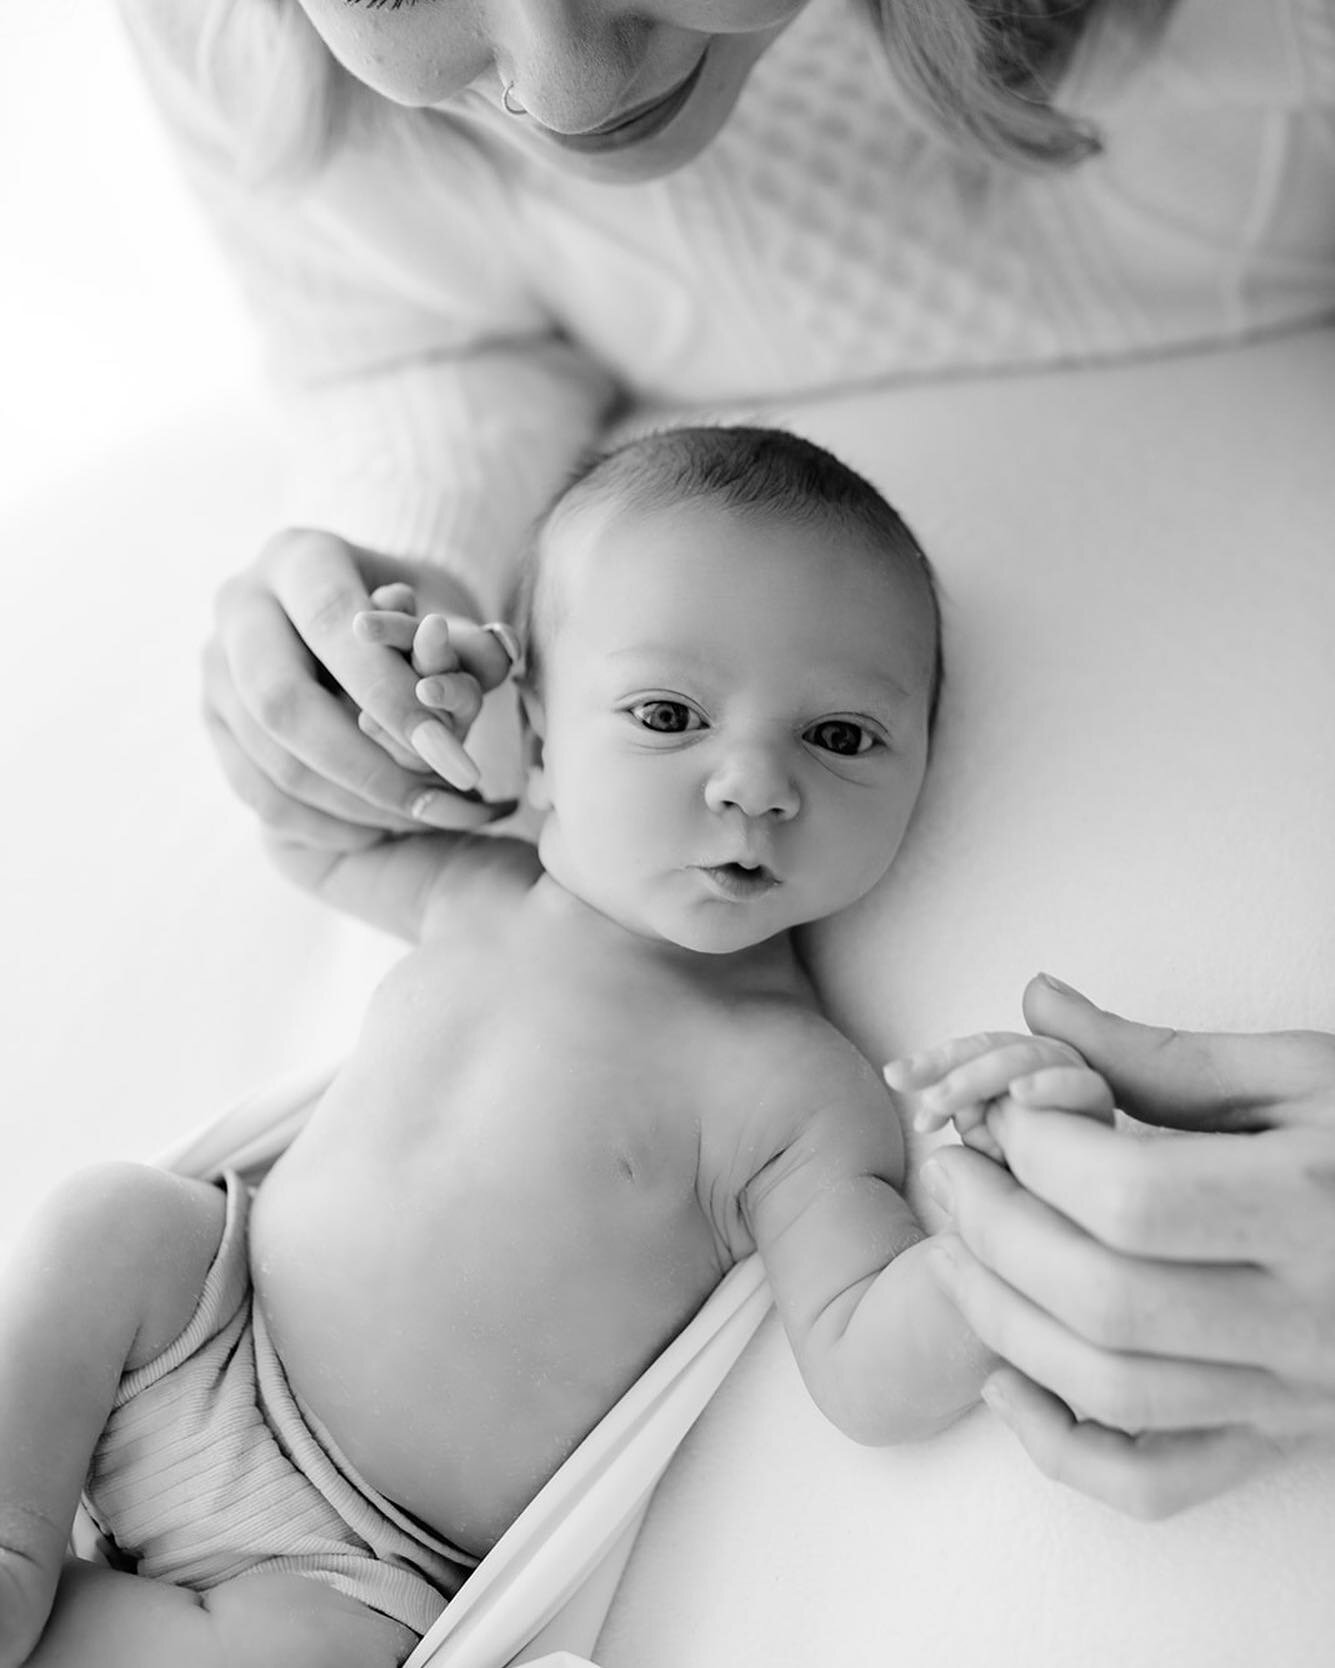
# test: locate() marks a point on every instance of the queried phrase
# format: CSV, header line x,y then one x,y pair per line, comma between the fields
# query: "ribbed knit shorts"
x,y
209,1469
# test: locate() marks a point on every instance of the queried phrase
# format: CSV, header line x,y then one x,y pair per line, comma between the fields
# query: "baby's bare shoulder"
x,y
790,1046
789,1080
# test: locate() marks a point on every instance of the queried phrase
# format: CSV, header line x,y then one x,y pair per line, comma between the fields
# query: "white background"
x,y
114,315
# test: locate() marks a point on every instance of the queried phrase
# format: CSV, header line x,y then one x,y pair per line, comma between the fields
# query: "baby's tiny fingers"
x,y
916,1071
991,1074
454,692
1065,1089
386,627
432,649
399,597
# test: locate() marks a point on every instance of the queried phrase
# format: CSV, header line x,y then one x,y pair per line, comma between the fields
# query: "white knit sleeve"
x,y
434,406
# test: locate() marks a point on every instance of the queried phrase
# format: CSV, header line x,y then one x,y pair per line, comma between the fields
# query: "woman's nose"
x,y
754,779
569,61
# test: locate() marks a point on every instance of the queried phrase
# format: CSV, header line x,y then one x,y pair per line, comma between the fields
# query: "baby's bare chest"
x,y
498,1217
595,1069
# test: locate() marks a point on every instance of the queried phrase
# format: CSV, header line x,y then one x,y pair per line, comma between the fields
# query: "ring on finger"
x,y
508,639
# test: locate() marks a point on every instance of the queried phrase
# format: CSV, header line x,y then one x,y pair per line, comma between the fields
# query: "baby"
x,y
600,1079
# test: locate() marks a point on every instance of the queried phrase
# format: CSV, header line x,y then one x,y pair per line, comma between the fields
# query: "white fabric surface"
x,y
1135,788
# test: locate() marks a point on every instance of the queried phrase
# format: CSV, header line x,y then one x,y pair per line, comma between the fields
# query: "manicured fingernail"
x,y
1054,983
445,755
937,1184
441,810
895,1072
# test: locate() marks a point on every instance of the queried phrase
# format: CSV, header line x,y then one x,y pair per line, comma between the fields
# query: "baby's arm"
x,y
402,880
885,1354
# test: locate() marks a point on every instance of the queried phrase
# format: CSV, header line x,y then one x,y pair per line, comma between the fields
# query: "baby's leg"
x,y
104,1619
107,1275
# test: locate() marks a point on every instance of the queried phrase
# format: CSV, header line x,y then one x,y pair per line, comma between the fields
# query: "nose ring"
x,y
511,106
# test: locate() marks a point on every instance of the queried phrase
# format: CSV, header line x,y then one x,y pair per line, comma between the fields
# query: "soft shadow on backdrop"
x,y
129,392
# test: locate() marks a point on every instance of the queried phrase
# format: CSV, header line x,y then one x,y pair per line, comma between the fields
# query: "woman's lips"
x,y
636,125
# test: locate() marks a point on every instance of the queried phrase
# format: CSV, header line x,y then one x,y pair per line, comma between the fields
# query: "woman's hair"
x,y
277,85
984,73
751,471
981,73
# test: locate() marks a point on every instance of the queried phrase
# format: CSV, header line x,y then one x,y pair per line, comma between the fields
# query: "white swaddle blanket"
x,y
543,1590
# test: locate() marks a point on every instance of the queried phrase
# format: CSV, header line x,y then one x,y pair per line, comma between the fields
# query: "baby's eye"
x,y
842,736
667,718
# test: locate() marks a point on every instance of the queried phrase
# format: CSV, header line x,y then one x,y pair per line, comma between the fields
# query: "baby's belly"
x,y
460,1315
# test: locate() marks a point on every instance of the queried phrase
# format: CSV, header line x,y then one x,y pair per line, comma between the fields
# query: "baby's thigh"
x,y
291,1621
105,1618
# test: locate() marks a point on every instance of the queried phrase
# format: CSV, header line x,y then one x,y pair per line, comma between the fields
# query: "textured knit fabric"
x,y
208,1468
458,319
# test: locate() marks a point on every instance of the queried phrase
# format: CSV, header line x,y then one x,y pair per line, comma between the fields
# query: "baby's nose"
x,y
755,780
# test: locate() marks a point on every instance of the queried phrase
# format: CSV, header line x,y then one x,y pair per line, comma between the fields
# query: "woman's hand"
x,y
1167,1306
286,678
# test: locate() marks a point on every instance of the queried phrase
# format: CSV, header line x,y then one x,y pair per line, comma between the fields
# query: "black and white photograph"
x,y
668,864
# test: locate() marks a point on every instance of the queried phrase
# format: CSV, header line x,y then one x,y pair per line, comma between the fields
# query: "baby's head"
x,y
733,661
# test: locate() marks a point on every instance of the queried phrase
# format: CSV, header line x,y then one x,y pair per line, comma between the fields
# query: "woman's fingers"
x,y
1189,1079
280,811
1121,1389
319,588
1267,1198
1150,1475
1067,1089
1228,1313
301,741
401,755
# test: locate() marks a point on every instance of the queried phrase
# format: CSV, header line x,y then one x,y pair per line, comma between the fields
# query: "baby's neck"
x,y
771,963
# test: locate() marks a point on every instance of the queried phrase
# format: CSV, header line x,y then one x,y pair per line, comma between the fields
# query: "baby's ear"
x,y
533,727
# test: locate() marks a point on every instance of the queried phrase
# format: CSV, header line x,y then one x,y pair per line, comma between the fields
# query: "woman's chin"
x,y
604,160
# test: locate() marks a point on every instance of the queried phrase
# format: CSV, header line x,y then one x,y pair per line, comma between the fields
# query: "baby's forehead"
x,y
663,571
587,539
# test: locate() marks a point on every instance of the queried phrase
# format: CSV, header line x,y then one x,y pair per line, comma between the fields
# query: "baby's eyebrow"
x,y
888,688
658,651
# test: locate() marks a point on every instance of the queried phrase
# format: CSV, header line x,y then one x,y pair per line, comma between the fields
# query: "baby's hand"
x,y
962,1079
451,694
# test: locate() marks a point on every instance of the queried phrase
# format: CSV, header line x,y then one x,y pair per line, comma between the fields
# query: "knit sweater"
x,y
454,322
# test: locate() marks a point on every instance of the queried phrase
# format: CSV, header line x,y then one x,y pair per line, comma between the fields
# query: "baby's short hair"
x,y
750,470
